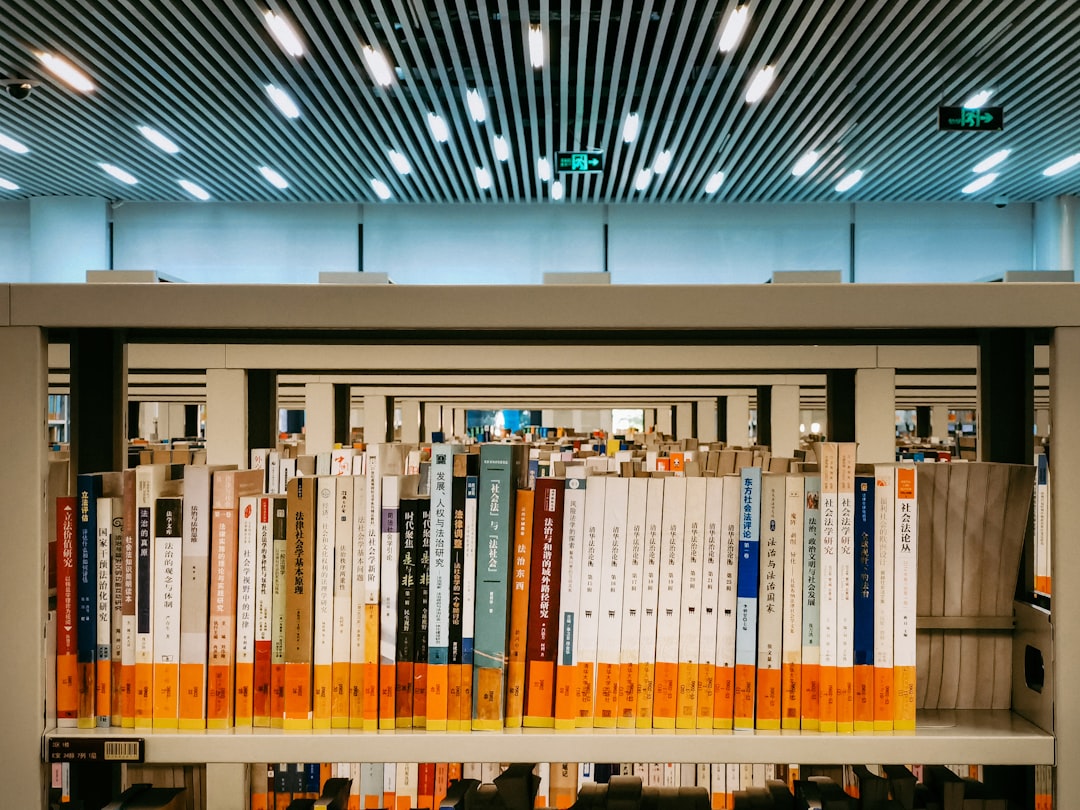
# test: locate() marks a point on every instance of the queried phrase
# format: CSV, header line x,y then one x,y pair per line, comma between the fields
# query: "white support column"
x,y
738,420
1042,422
410,420
939,422
706,420
318,417
1065,567
432,419
785,420
375,426
24,413
460,426
148,421
664,418
547,418
875,414
226,417
226,785
604,420
684,420
177,419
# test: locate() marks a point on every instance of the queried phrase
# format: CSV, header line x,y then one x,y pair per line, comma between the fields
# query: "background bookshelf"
x,y
246,335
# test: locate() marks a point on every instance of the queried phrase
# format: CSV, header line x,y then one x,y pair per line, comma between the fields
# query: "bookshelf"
x,y
426,331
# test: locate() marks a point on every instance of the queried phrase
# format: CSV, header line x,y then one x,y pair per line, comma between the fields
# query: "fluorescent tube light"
x,y
284,34
195,191
159,140
380,188
378,66
1062,165
401,163
760,85
66,71
438,127
12,144
978,100
734,28
979,183
118,173
992,161
483,177
273,178
557,190
7,184
536,46
662,162
502,148
476,106
630,127
543,169
712,185
282,101
805,163
849,180
643,178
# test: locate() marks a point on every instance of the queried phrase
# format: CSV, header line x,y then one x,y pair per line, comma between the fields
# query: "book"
x,y
408,602
566,671
669,603
503,471
244,650
811,606
713,546
389,551
587,629
827,593
747,596
468,589
358,598
727,604
456,618
1043,581
864,602
109,528
630,630
279,507
609,625
884,551
905,561
128,619
690,604
770,630
299,601
263,613
541,646
67,671
440,587
168,547
519,608
423,576
343,570
322,650
116,613
846,586
150,484
791,650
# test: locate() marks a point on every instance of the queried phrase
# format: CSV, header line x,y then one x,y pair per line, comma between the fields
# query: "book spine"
x,y
103,613
519,608
865,583
569,591
884,529
168,543
727,605
905,568
455,623
650,592
344,525
194,597
1042,525
388,598
299,601
127,604
630,629
278,516
666,673
746,625
372,575
544,591
468,610
148,479
589,605
440,587
770,630
407,610
357,631
244,653
791,655
67,671
264,608
323,618
811,621
222,623
846,587
116,611
609,626
690,604
710,600
88,491
827,561
423,616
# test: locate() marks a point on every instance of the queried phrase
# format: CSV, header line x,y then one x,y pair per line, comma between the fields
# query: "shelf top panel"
x,y
474,309
983,737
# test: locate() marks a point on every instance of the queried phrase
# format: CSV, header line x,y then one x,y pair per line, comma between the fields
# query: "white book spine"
x,y
273,473
711,570
325,541
391,502
441,477
373,541
286,472
246,555
827,560
166,598
105,508
196,565
650,574
264,570
884,529
727,603
259,460
693,559
609,626
343,568
845,556
570,571
468,583
905,564
669,600
633,578
358,598
592,552
770,632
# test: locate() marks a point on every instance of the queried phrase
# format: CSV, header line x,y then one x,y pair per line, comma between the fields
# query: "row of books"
x,y
745,600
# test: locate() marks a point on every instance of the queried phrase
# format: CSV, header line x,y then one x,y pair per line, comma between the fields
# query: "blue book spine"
x,y
864,571
89,490
749,561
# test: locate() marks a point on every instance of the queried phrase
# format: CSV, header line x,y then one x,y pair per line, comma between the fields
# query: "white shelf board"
x,y
984,737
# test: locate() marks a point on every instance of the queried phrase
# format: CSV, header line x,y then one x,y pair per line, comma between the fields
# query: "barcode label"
x,y
93,749
126,750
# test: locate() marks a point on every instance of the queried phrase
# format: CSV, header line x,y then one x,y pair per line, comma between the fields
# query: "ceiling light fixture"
x,y
1062,165
401,163
557,190
978,100
284,34
273,178
7,184
536,46
439,130
643,178
630,127
382,191
66,71
662,162
992,161
849,180
805,163
159,140
283,101
760,85
712,185
195,191
118,173
476,106
12,144
378,66
502,148
483,177
543,169
979,183
734,28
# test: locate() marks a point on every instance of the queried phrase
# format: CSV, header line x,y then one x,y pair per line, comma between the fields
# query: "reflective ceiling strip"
x,y
511,29
504,173
533,153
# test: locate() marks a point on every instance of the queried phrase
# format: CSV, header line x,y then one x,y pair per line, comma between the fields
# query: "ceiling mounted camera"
x,y
19,89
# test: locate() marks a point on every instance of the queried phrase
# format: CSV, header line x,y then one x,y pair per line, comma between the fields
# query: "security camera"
x,y
1000,202
19,89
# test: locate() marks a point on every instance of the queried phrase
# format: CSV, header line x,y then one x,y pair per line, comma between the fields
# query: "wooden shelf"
x,y
987,737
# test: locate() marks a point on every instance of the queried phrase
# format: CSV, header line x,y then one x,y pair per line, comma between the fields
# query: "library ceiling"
x,y
407,101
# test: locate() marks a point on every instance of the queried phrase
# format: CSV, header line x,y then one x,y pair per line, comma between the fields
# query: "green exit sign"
x,y
579,162
963,119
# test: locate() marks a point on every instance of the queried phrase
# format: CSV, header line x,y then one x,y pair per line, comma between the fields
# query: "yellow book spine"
x,y
845,699
664,689
904,707
166,708
192,708
628,685
643,710
586,676
827,699
811,697
566,696
356,695
322,678
744,695
724,698
243,695
883,703
297,696
515,693
339,694
706,695
144,695
768,699
791,700
686,696
438,696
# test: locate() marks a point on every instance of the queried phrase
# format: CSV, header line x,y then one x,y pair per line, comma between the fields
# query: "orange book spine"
x,y
745,675
845,703
566,699
192,706
643,710
665,688
628,684
299,602
466,697
540,695
103,687
827,698
768,699
864,698
706,695
883,690
243,694
403,694
220,685
686,696
67,674
724,700
356,695
606,711
436,695
261,683
519,609
321,695
387,686
340,694
166,704
219,695
277,695
297,695
144,691
420,695
791,717
586,673
811,697
453,697
371,670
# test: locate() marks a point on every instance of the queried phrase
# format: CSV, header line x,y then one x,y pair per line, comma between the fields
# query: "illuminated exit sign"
x,y
579,162
962,119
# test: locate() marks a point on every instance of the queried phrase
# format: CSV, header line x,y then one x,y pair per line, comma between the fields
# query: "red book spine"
x,y
542,641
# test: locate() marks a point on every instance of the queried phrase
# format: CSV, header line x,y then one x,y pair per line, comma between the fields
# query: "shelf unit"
x,y
785,329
